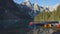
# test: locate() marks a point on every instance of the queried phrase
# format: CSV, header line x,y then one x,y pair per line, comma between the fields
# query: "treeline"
x,y
48,16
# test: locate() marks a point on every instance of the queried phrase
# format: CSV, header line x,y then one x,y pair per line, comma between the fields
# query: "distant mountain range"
x,y
35,6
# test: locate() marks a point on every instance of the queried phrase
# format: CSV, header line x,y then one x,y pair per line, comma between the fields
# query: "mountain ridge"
x,y
46,8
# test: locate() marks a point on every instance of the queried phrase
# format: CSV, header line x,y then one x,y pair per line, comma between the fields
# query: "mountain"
x,y
41,9
48,8
27,3
36,7
52,8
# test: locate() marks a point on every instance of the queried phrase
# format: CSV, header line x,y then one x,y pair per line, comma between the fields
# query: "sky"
x,y
41,2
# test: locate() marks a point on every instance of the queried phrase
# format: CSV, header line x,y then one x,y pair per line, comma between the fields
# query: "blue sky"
x,y
41,2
